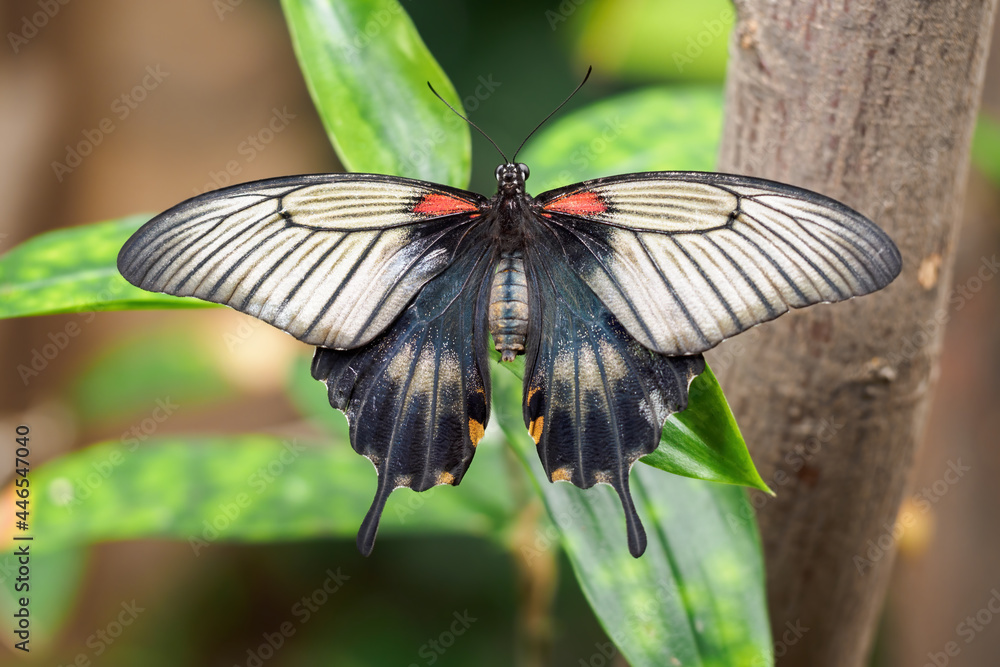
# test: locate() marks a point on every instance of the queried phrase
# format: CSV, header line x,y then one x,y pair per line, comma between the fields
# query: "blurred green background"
x,y
230,69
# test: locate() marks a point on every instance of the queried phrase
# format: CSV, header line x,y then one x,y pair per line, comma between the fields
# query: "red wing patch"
x,y
437,204
581,203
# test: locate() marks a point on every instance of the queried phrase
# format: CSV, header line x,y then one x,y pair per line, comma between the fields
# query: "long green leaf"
x,y
704,441
696,597
73,270
251,488
367,70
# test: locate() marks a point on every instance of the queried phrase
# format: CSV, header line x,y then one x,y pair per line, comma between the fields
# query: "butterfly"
x,y
611,289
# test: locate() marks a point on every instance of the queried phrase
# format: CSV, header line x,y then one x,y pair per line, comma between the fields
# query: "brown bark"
x,y
872,102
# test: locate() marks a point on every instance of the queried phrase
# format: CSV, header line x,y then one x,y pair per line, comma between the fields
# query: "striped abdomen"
x,y
509,306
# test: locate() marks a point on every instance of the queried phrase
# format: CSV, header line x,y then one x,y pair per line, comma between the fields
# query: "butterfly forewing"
x,y
687,259
331,259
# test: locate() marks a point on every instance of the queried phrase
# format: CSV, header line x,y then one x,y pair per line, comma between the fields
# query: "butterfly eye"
x,y
499,172
523,168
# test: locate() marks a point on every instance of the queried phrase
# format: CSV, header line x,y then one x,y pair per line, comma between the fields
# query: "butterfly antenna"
x,y
585,77
506,161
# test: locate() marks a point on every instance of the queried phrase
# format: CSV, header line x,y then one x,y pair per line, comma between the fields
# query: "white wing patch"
x,y
354,205
691,207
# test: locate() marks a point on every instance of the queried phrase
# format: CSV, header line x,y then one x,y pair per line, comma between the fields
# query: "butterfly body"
x,y
511,216
509,305
610,288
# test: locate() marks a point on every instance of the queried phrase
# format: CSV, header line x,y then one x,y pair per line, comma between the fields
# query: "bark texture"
x,y
872,102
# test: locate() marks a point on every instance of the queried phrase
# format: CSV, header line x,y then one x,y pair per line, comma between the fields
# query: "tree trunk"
x,y
873,103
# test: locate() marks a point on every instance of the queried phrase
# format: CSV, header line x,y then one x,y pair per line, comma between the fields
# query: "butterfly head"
x,y
511,177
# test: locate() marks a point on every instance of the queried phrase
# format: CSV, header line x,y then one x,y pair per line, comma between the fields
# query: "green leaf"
x,y
367,70
75,269
704,441
55,580
657,39
250,488
651,129
986,148
696,597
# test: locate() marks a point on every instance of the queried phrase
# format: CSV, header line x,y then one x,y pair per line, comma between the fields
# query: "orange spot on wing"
x,y
475,431
581,203
445,478
535,429
437,204
562,475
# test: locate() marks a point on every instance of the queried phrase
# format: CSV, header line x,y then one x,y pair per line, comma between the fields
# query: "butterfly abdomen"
x,y
508,314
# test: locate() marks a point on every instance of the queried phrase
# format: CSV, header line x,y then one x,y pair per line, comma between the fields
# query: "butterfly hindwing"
x,y
417,398
595,400
332,258
687,259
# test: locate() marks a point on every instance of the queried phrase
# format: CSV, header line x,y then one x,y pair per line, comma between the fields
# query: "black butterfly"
x,y
611,288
